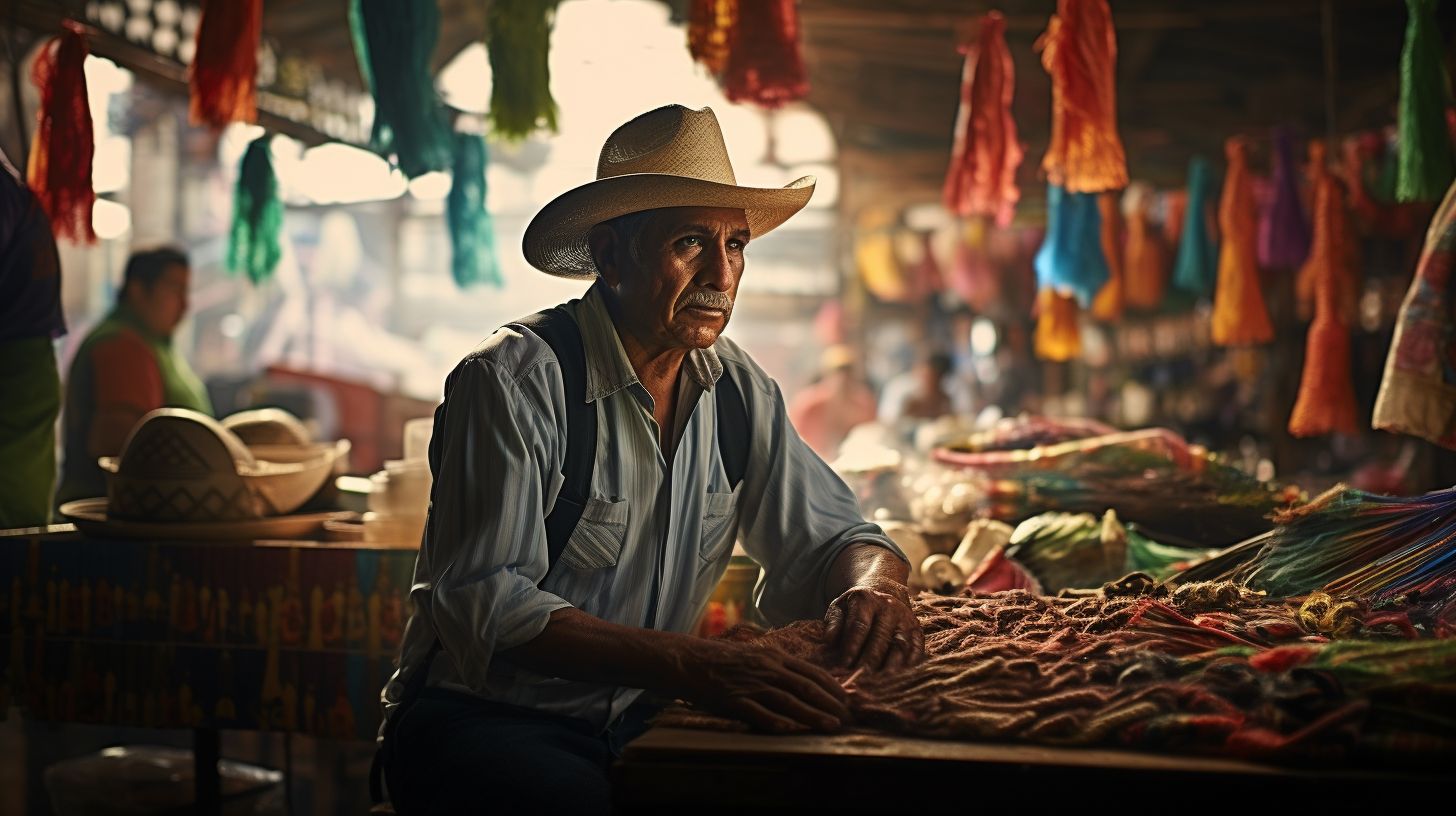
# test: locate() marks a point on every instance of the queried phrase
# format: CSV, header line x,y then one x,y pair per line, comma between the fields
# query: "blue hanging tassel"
x,y
472,234
1071,259
1196,269
394,40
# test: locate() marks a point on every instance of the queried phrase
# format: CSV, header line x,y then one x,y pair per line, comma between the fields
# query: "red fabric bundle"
x,y
1107,306
1145,262
764,65
1239,314
710,26
61,153
224,73
982,175
1079,50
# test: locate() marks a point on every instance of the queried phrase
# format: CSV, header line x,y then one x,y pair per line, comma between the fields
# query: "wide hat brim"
x,y
556,239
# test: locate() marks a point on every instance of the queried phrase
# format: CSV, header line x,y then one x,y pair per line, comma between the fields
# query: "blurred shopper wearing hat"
x,y
125,368
30,320
521,668
825,412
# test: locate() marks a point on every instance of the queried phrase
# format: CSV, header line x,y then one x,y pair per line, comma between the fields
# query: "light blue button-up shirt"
x,y
654,538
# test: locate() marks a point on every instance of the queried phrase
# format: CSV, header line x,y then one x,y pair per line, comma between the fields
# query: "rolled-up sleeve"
x,y
484,552
797,514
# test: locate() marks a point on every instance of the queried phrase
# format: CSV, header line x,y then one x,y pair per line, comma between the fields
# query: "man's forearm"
x,y
867,565
578,646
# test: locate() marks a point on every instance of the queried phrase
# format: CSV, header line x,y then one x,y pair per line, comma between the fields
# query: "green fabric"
x,y
519,44
472,235
253,246
395,40
32,388
1426,162
81,477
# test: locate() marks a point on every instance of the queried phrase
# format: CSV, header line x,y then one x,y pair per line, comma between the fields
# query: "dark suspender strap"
x,y
733,432
557,327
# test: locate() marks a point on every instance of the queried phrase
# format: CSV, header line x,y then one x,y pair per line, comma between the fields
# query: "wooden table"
x,y
706,771
284,636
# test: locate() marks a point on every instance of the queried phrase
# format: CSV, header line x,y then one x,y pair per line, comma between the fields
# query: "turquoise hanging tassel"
x,y
1071,259
1426,161
1196,269
253,246
472,234
520,47
409,120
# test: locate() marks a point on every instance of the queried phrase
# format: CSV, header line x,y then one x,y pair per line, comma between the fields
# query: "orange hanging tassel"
x,y
1145,262
1058,337
710,25
1327,392
1332,247
982,175
1079,50
1239,314
224,73
59,171
1107,306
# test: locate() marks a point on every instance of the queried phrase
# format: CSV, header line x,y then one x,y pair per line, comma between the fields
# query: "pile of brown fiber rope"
x,y
1209,669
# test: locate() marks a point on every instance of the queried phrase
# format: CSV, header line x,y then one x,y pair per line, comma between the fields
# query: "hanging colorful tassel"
x,y
925,271
472,235
1071,259
982,176
223,76
1175,213
520,48
1283,228
1079,50
1333,247
1145,262
710,27
972,275
1107,306
1058,337
253,241
874,255
765,66
409,121
1196,267
1240,317
1326,401
1427,164
59,172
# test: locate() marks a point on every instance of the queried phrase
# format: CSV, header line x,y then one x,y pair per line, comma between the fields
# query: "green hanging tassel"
x,y
409,121
520,47
1426,163
253,246
472,235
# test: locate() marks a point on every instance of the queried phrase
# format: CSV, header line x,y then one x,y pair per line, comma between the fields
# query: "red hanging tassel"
x,y
982,175
224,73
764,65
1145,262
1107,306
1079,50
1239,314
1332,248
60,157
1326,401
710,26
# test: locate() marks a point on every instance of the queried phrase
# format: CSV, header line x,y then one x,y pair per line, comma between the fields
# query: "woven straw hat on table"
x,y
668,157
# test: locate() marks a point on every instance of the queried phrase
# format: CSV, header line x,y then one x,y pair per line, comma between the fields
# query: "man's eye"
x,y
737,246
691,241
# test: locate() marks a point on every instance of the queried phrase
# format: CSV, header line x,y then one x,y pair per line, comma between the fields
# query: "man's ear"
x,y
602,240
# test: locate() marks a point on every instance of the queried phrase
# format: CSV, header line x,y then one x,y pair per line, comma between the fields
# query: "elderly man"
x,y
545,600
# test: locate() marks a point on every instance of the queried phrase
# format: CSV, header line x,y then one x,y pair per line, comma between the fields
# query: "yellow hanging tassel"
x,y
1058,337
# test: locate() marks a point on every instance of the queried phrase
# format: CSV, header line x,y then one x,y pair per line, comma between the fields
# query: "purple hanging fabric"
x,y
1283,228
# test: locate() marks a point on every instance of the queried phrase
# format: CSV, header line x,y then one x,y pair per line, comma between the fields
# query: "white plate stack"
x,y
400,494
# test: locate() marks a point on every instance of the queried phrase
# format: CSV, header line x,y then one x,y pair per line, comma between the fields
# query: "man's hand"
x,y
765,688
872,627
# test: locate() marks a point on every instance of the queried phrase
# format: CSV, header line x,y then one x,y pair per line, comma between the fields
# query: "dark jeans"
x,y
458,754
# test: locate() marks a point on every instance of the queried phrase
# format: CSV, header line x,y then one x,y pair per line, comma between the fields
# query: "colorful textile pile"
x,y
1079,50
1081,551
223,76
1209,669
61,152
982,175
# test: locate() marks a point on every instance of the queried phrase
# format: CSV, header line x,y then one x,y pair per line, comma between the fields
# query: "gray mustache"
x,y
708,298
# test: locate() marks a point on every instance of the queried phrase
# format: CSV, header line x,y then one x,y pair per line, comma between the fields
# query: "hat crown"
x,y
671,140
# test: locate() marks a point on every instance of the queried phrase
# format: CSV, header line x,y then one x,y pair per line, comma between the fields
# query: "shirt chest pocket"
x,y
720,524
596,543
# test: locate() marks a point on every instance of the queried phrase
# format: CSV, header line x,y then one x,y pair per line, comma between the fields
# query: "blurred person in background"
x,y
824,412
921,392
30,320
127,367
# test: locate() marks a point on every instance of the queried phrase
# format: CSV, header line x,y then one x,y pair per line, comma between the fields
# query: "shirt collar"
x,y
608,370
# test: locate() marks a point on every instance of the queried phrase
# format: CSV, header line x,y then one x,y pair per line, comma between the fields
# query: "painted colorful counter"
x,y
264,635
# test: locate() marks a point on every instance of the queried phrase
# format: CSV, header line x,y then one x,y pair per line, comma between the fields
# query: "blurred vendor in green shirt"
x,y
126,367
30,321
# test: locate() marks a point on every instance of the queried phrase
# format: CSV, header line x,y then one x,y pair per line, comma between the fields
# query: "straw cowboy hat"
x,y
182,473
668,157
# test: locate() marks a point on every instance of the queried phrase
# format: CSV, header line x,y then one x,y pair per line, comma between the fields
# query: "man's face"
x,y
679,291
163,304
